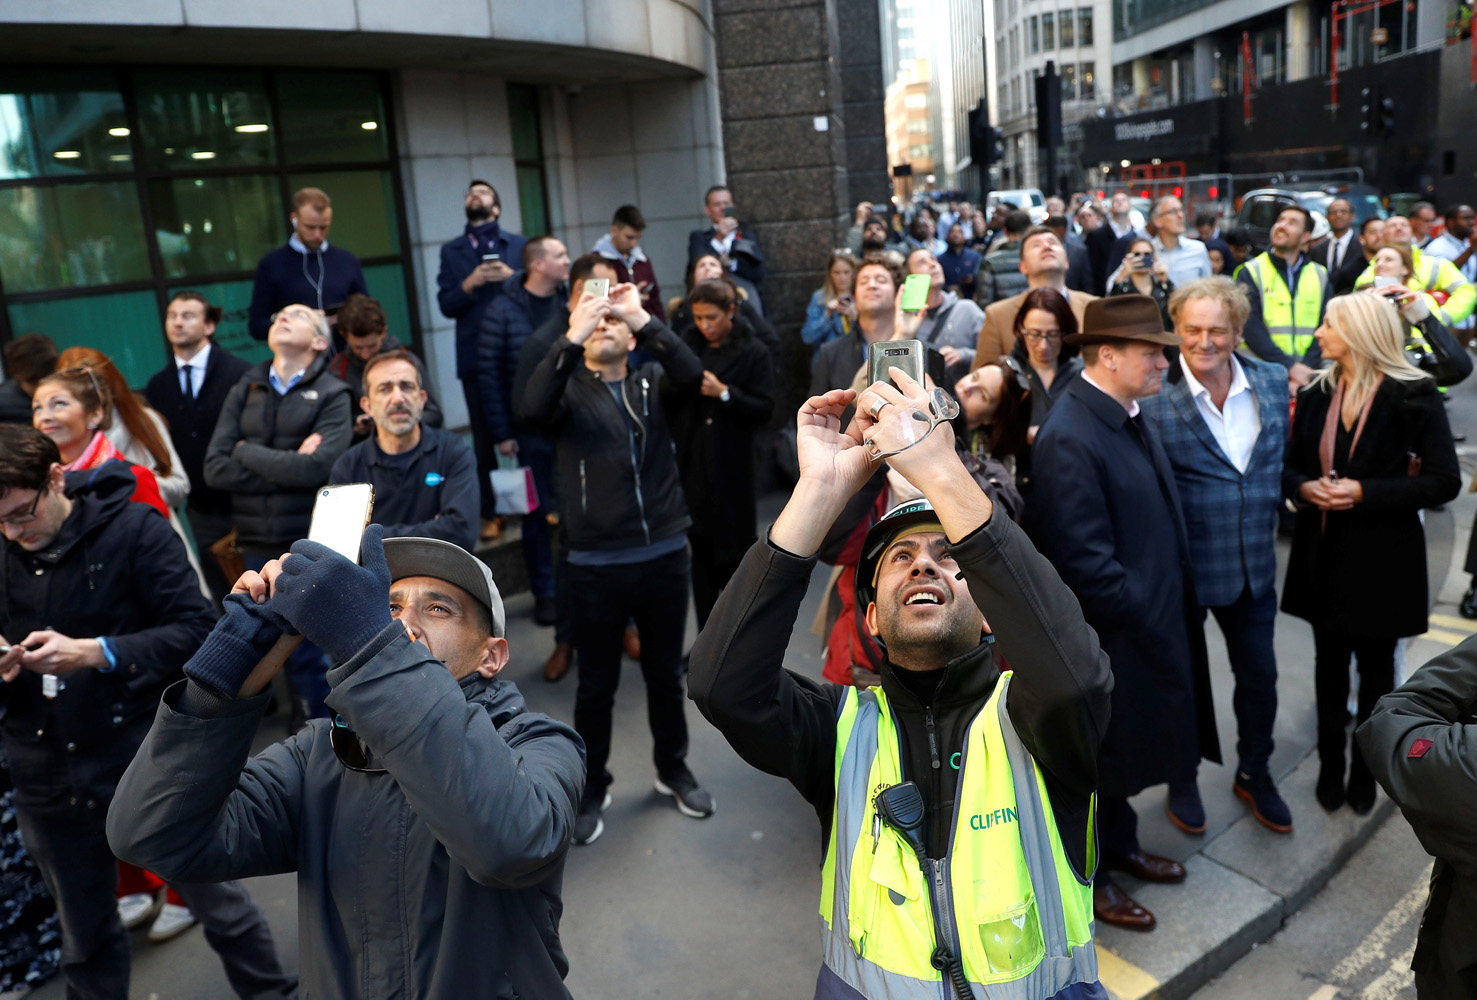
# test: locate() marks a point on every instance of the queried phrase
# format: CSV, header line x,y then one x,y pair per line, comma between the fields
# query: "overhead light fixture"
x,y
1156,161
68,154
120,131
120,157
369,126
1123,163
169,150
251,128
204,154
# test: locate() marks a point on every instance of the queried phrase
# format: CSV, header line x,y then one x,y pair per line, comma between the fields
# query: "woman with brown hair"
x,y
1370,448
1044,319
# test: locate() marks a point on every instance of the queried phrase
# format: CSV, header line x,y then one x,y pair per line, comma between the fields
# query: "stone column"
x,y
1204,67
1299,41
803,141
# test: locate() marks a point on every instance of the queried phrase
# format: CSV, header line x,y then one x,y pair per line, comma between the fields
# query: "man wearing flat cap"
x,y
428,820
1106,513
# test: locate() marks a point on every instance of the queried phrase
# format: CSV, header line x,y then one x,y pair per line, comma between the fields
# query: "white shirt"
x,y
1186,262
723,244
1133,405
196,365
1338,249
1238,424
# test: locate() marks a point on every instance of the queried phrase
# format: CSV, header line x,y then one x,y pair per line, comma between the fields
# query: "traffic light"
x,y
986,142
1368,116
1387,115
1049,107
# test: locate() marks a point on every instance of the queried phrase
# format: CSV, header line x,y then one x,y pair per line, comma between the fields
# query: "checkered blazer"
x,y
1231,516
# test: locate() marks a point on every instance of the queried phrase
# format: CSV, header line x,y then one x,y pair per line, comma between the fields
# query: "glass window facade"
x,y
120,187
1067,20
1084,26
1048,31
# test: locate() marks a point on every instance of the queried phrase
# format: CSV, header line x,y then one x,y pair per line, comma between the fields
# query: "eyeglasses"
x,y
16,520
1021,378
1041,336
349,749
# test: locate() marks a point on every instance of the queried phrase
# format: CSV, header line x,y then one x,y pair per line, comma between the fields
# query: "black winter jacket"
x,y
253,453
115,570
438,879
609,501
715,440
430,493
785,724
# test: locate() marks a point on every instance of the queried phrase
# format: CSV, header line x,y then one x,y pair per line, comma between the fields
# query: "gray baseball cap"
x,y
444,561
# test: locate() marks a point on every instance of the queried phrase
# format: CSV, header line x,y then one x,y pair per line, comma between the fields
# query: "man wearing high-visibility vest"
x,y
956,802
1450,296
1288,293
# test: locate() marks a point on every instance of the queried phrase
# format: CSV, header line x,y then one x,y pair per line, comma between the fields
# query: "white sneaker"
x,y
137,908
173,920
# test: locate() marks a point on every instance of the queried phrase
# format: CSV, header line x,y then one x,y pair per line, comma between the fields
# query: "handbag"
x,y
228,557
513,489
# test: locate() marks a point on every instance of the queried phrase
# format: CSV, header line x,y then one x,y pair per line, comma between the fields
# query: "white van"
x,y
1029,200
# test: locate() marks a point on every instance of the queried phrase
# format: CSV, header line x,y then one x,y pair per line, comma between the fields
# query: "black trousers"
x,y
70,848
604,600
710,575
237,930
483,447
1332,649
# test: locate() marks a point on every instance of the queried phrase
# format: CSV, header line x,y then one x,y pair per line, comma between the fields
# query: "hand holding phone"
x,y
906,355
915,292
597,287
340,515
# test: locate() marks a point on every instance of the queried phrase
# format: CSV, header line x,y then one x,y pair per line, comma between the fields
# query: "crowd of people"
x,y
1120,417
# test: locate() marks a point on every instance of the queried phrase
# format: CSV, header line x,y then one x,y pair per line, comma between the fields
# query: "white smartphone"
x,y
598,288
339,516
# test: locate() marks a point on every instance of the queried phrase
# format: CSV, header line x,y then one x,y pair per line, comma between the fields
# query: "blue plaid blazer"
x,y
1231,516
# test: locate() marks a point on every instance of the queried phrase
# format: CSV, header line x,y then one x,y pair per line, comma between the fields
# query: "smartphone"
x,y
339,516
915,292
730,211
904,354
1385,281
491,258
598,287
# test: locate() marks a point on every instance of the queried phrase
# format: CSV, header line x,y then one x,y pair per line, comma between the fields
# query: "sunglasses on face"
x,y
349,749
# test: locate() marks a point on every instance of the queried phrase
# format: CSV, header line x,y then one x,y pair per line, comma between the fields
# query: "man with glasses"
x,y
1186,258
1222,418
428,822
99,608
1342,254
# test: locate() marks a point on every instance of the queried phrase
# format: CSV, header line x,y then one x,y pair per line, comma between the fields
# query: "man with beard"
x,y
424,478
984,878
473,269
1106,512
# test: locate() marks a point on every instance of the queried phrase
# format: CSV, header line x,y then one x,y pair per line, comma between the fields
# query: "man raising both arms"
x,y
997,860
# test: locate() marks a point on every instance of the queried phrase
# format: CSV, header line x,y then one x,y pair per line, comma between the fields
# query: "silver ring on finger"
x,y
877,405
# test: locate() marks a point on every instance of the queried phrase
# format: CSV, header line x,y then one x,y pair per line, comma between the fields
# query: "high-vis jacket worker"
x,y
1287,303
955,801
1450,297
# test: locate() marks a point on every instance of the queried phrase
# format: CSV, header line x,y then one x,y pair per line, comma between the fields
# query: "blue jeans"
x,y
307,667
1248,623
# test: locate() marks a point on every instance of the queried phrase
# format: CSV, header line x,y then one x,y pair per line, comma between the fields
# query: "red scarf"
x,y
100,450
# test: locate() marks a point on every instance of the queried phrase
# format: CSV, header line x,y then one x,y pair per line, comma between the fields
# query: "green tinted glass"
x,y
125,326
192,119
531,200
331,117
70,236
387,285
363,209
61,123
234,298
209,225
523,121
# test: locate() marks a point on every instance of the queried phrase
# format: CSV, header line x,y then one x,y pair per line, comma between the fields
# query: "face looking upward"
x,y
921,604
707,268
59,415
449,622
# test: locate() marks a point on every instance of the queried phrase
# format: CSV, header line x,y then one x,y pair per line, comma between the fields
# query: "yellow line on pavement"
x,y
1463,625
1443,637
1123,979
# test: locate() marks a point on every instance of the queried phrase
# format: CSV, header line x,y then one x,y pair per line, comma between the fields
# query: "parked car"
x,y
1260,207
1029,200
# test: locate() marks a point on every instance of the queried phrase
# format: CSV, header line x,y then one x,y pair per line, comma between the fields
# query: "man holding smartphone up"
x,y
626,522
427,822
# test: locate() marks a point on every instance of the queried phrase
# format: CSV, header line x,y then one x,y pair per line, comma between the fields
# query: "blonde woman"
x,y
1370,447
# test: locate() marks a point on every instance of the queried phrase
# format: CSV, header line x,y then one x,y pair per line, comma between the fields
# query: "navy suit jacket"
x,y
1230,516
747,257
192,422
459,258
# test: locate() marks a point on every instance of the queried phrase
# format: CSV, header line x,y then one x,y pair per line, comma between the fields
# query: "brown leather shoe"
x,y
491,528
557,665
1112,905
1149,867
631,643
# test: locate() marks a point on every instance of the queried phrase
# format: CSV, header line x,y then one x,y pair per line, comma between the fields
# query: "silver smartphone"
x,y
597,287
339,516
904,354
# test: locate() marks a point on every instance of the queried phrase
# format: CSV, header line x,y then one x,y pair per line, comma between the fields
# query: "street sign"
x,y
1379,36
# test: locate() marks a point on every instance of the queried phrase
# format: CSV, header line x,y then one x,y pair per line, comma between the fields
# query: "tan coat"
x,y
997,336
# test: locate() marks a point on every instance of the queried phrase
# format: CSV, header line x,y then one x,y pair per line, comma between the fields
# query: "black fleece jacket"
x,y
785,724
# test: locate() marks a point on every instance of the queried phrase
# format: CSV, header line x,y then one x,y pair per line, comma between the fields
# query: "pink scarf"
x,y
98,451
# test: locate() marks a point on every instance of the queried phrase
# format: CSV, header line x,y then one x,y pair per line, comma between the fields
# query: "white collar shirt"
x,y
196,369
1238,423
1338,249
723,244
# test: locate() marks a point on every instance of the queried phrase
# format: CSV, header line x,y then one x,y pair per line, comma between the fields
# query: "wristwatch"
x,y
723,396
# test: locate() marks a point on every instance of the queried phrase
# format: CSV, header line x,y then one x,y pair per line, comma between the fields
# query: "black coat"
x,y
760,327
116,569
192,422
1352,266
715,440
254,455
15,403
1104,509
1363,571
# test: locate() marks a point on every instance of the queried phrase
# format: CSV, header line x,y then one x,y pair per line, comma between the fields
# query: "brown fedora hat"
x,y
1122,317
